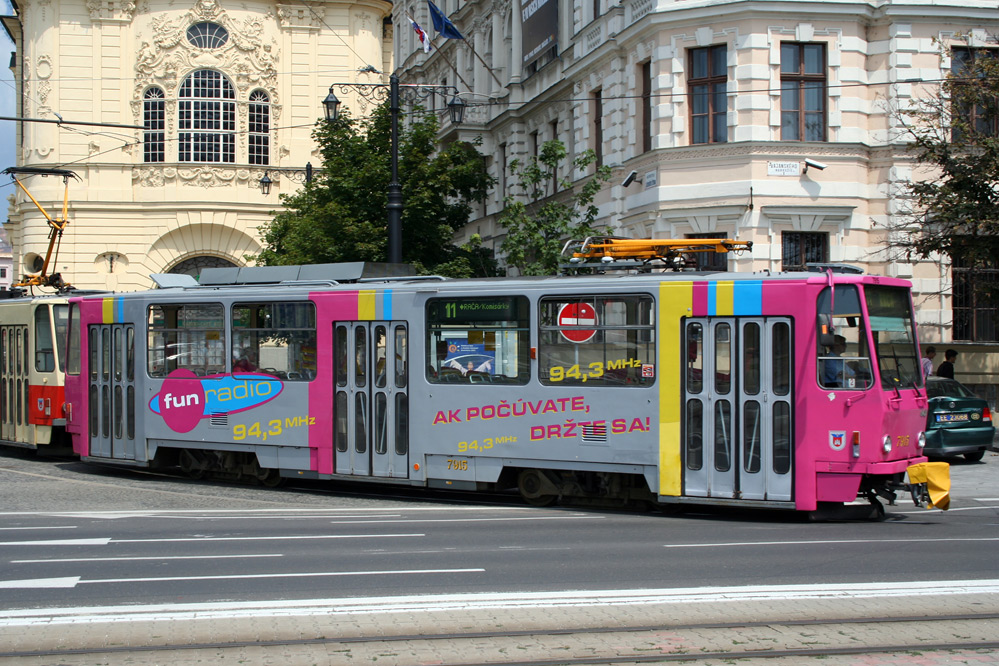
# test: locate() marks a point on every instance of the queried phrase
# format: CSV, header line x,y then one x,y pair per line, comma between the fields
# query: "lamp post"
x,y
297,175
376,92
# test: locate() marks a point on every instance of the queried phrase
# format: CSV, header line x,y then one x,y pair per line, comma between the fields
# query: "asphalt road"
x,y
79,536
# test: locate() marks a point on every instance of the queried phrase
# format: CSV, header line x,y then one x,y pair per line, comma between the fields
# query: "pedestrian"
x,y
927,361
946,368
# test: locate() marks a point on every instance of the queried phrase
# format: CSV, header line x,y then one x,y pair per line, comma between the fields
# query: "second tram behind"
x,y
794,391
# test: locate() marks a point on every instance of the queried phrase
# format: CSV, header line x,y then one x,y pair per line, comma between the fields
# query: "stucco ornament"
x,y
248,58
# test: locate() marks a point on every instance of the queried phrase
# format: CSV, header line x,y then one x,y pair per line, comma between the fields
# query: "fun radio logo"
x,y
184,398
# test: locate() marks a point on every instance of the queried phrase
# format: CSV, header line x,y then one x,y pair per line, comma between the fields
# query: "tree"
x,y
540,221
341,215
955,211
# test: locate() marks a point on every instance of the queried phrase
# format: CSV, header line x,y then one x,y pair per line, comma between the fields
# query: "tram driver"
x,y
836,372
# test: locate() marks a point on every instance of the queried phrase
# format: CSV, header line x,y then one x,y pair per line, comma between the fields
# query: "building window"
x,y
207,36
710,261
800,248
596,9
646,75
3,273
207,118
982,119
154,122
803,92
598,126
260,127
708,101
975,304
502,172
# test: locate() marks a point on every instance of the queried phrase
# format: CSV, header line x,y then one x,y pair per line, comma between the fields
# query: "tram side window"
x,y
478,340
73,334
60,317
843,359
190,336
44,345
277,339
604,340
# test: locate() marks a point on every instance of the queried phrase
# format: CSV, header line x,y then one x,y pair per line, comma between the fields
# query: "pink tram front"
x,y
794,391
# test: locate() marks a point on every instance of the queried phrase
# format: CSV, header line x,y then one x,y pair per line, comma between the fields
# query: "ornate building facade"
x,y
212,95
719,107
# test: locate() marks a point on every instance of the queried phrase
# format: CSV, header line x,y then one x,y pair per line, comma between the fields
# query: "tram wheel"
x,y
531,484
270,478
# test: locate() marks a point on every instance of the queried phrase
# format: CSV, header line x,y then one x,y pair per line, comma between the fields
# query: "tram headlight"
x,y
921,440
886,444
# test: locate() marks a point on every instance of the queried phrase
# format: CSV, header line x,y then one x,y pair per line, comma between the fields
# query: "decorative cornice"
x,y
111,11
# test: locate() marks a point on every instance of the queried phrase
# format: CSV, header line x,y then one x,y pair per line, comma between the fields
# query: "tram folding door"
x,y
112,391
14,371
371,407
737,408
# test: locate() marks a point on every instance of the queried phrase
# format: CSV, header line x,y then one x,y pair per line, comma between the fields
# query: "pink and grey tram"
x,y
795,390
32,360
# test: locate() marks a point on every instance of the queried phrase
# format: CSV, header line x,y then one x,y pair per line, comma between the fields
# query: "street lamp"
x,y
297,175
376,92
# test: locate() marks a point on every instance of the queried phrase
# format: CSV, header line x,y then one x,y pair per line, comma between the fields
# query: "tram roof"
x,y
365,275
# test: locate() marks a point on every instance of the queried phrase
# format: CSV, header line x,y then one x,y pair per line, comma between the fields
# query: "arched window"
x,y
207,118
153,139
260,127
207,35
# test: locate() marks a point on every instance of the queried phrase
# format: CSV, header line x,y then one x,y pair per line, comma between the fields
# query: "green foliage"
x,y
954,210
342,214
549,212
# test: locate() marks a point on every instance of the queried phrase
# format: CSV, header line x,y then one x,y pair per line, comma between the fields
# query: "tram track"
x,y
765,640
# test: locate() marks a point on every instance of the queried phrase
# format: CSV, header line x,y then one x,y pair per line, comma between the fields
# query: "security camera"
x,y
814,164
630,179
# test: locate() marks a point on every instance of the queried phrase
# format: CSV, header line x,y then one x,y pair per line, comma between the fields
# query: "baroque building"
x,y
768,122
203,99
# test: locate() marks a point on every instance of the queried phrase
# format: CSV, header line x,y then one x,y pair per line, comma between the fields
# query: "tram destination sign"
x,y
460,310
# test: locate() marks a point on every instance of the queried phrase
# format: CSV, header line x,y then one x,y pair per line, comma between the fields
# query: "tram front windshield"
x,y
889,312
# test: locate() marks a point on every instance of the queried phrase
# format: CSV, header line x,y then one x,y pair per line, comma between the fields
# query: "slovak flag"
x,y
423,36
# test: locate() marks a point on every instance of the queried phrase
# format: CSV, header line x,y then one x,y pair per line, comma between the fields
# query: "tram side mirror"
x,y
826,331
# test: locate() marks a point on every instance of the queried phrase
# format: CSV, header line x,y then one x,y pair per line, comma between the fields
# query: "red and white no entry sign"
x,y
577,314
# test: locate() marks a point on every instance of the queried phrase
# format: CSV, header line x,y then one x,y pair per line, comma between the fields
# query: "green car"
x,y
958,422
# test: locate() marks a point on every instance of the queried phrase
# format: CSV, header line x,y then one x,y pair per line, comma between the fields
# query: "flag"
x,y
423,37
442,24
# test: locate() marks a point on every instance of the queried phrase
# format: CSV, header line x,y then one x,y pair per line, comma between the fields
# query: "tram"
x,y
32,358
794,390
33,340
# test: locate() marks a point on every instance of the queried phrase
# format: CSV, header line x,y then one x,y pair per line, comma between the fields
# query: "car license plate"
x,y
951,418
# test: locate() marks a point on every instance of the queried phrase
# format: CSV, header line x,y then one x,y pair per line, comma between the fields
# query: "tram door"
x,y
737,408
371,407
14,372
112,391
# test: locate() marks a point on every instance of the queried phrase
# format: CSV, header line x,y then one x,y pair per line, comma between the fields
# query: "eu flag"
x,y
442,24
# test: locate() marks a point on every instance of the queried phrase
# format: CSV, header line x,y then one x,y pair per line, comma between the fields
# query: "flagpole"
x,y
488,69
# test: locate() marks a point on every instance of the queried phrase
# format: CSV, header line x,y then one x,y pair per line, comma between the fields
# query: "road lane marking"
x,y
67,582
155,559
60,542
268,538
515,600
410,521
109,540
53,527
731,544
165,512
74,581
